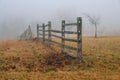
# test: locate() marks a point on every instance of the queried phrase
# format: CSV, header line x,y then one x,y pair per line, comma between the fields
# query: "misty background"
x,y
16,15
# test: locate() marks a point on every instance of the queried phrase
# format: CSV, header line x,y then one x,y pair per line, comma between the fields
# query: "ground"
x,y
31,60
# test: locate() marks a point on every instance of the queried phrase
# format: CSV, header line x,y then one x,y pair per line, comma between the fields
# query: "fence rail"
x,y
56,31
71,24
56,42
56,36
51,33
70,32
72,40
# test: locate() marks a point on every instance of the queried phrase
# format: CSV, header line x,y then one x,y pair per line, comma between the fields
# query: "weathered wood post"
x,y
37,31
43,25
79,38
49,33
63,36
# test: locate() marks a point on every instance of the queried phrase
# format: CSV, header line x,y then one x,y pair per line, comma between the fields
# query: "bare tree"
x,y
94,21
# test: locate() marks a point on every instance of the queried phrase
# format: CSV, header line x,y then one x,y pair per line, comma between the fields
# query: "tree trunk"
x,y
95,31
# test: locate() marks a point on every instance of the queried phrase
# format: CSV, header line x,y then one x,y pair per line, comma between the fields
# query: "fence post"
x,y
43,25
63,36
79,38
49,33
37,31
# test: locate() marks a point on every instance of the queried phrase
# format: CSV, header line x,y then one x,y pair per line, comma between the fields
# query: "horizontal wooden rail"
x,y
70,24
46,25
70,47
40,30
70,54
72,40
56,36
56,42
40,26
46,30
70,32
40,34
56,31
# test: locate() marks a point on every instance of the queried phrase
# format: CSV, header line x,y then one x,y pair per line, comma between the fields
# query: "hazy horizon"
x,y
16,15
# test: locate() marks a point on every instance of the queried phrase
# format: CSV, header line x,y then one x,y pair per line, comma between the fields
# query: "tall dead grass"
x,y
34,60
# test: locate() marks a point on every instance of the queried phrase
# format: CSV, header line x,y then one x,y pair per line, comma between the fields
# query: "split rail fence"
x,y
46,28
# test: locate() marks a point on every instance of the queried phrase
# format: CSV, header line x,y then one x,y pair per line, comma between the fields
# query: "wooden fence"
x,y
27,34
51,33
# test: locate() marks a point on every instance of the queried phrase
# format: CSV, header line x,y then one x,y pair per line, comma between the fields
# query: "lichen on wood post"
x,y
43,25
37,31
49,33
63,36
79,38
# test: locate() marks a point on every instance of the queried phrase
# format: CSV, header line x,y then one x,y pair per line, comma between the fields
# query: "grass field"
x,y
30,60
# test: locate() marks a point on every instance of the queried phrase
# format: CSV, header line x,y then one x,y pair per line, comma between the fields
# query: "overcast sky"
x,y
16,15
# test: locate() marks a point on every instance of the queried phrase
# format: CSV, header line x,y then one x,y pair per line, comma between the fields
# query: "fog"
x,y
16,15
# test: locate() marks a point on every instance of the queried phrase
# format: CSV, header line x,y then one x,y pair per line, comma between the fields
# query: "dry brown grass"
x,y
30,60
